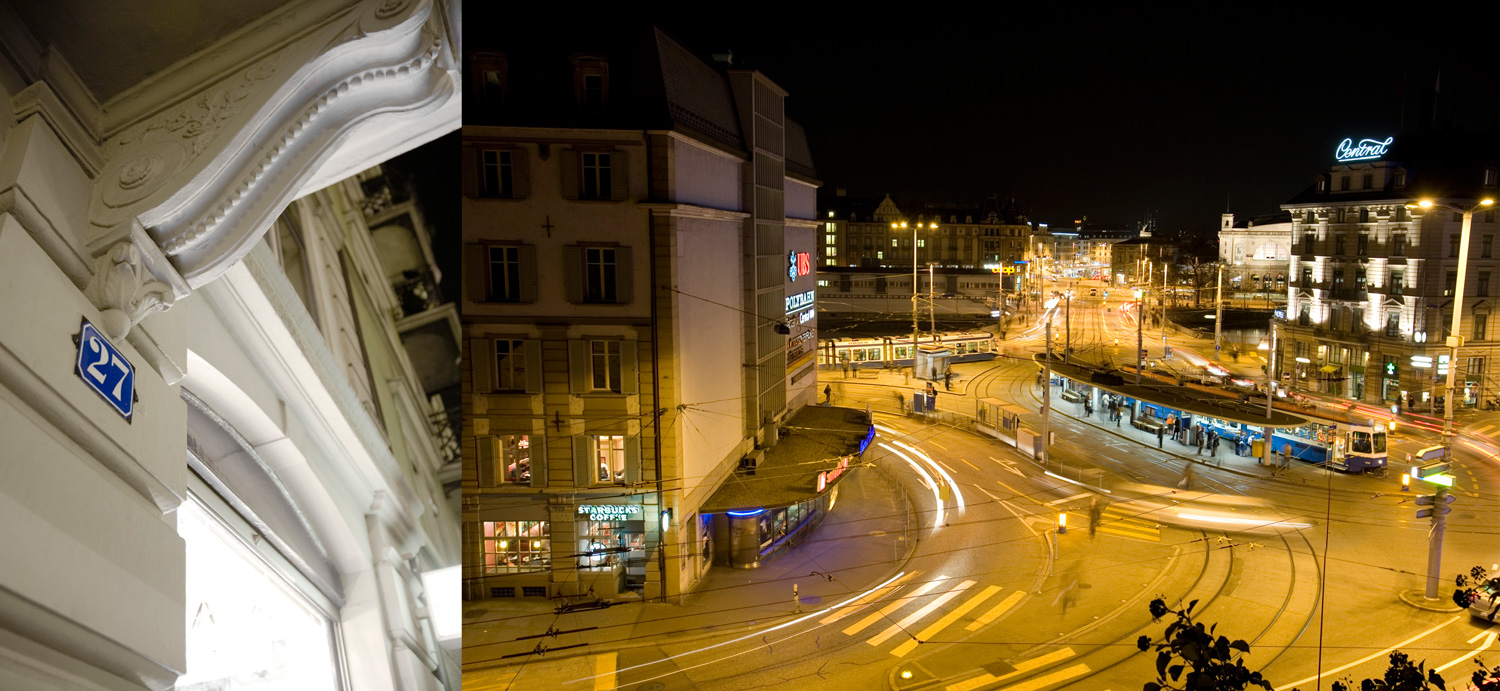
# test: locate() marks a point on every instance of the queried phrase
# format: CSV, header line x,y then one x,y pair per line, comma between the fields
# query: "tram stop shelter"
x,y
1153,394
782,492
932,362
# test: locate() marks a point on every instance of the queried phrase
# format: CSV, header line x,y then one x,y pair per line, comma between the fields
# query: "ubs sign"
x,y
798,264
1365,150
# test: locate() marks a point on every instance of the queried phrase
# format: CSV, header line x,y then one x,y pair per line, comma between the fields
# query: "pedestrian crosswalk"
x,y
916,609
1485,430
1124,521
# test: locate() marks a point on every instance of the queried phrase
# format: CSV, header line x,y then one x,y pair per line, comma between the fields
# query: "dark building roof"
x,y
1265,220
856,209
1439,165
654,83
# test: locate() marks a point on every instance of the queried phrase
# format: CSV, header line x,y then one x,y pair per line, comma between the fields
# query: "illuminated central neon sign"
x,y
828,476
1365,150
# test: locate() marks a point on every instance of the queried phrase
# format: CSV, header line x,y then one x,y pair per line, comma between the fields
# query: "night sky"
x,y
1106,114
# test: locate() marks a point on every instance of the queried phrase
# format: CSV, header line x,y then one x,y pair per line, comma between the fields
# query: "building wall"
x,y
141,215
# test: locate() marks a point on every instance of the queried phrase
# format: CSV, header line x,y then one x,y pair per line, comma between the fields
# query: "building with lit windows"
x,y
1371,287
638,305
859,232
1255,254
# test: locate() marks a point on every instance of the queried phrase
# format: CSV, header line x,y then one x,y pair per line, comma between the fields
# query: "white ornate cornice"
x,y
206,177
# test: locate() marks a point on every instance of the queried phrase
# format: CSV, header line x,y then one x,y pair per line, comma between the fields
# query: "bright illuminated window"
x,y
609,450
248,627
517,546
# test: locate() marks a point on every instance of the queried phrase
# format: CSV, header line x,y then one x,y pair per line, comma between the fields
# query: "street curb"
x,y
1418,599
748,628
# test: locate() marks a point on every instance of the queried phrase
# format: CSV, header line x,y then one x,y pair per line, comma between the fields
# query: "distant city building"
x,y
867,233
1255,254
1371,282
1140,260
639,315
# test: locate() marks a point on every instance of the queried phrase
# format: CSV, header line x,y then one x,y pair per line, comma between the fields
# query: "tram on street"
x,y
895,351
1350,446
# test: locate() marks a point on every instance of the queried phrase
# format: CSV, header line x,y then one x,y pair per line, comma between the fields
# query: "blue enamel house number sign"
x,y
105,370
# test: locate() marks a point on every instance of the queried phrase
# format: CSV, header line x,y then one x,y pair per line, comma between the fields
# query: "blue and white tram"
x,y
895,351
1354,447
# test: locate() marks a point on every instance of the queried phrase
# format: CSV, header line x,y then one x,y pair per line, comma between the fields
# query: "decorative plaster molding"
x,y
41,99
693,211
208,177
131,280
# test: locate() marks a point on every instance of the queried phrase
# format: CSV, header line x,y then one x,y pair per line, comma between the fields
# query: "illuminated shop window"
x,y
517,546
248,625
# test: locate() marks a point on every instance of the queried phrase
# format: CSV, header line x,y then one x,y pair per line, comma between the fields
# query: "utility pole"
x,y
1047,389
1219,312
931,303
1067,324
1140,319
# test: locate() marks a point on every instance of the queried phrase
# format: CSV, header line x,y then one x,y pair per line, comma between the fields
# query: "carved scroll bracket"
x,y
132,279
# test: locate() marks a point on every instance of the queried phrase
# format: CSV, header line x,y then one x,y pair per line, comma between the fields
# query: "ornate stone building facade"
x,y
222,455
1371,281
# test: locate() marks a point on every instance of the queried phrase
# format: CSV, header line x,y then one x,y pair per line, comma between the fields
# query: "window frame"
x,y
491,543
601,457
613,374
601,286
602,179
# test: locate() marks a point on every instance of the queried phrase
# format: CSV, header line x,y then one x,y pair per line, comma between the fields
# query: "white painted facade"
x,y
141,168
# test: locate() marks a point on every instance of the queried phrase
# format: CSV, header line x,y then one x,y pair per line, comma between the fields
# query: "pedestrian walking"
x,y
1067,594
796,600
1159,432
1213,446
1187,478
1199,444
828,394
948,380
1088,408
1095,512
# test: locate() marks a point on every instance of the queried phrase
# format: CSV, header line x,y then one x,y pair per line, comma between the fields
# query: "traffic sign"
x,y
1423,472
101,365
1432,500
1430,453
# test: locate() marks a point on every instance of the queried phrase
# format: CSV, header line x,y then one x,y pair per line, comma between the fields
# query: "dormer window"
x,y
1322,185
1400,178
591,82
490,74
1489,177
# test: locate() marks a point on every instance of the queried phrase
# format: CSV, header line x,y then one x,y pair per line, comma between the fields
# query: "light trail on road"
x,y
936,495
957,494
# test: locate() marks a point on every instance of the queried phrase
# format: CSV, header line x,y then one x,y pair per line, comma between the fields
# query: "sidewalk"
x,y
867,538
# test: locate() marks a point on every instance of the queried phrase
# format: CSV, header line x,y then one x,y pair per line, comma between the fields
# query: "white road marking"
x,y
1049,679
937,626
898,604
995,612
1022,666
1372,656
860,602
967,463
1489,639
1008,465
916,616
1080,495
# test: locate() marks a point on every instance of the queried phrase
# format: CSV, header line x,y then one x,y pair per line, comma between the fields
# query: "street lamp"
x,y
1140,315
914,312
1435,548
1047,388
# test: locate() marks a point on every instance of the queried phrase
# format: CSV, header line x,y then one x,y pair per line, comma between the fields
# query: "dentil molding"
x,y
207,176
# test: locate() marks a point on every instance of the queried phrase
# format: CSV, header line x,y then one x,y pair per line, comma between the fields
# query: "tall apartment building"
x,y
220,459
1372,281
858,232
639,243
